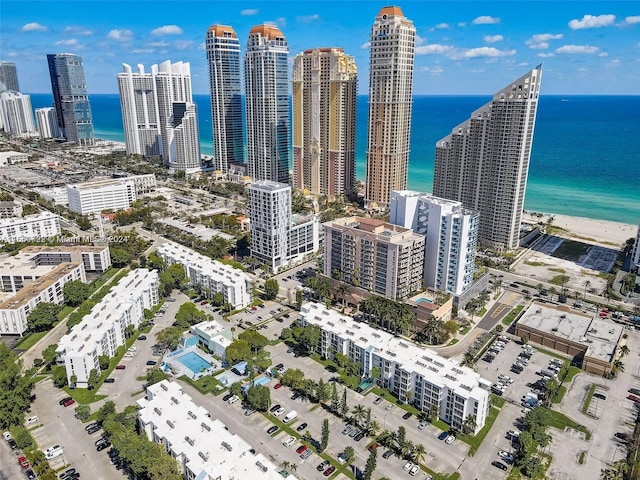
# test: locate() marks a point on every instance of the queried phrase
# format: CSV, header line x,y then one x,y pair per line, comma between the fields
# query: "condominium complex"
x,y
103,329
8,77
390,102
412,373
223,57
325,90
210,275
277,237
451,233
98,195
374,255
203,447
31,227
266,76
70,98
38,274
16,115
484,162
47,122
159,115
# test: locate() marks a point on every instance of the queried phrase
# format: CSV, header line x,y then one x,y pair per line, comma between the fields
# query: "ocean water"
x,y
585,159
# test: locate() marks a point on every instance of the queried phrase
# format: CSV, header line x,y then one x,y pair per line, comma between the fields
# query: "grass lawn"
x,y
561,421
475,440
587,399
511,316
29,340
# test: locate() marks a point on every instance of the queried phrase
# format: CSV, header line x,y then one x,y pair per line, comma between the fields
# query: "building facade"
x,y
210,275
266,76
451,233
16,115
70,98
277,237
325,91
484,162
202,446
47,122
98,195
223,57
379,257
8,77
415,375
31,227
103,329
390,102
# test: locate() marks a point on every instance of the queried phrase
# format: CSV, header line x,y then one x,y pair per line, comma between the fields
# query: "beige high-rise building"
x,y
484,162
390,101
325,90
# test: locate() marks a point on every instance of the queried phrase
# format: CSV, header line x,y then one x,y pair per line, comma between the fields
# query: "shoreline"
x,y
602,231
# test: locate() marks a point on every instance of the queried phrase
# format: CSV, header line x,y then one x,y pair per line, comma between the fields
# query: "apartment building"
x,y
31,227
203,447
451,233
103,329
412,373
210,275
382,258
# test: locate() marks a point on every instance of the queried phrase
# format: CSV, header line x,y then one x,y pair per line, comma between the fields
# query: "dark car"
x,y
272,429
301,427
64,400
322,466
275,407
387,454
499,465
109,380
407,415
443,436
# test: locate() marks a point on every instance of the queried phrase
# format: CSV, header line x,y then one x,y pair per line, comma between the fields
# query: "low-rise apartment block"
x,y
102,331
32,227
414,374
376,256
209,275
203,447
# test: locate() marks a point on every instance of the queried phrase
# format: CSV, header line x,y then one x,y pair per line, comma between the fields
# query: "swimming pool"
x,y
194,362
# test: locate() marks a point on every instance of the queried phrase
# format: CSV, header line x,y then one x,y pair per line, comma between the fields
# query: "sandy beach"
x,y
600,230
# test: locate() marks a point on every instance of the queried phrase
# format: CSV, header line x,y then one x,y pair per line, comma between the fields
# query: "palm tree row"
x,y
396,317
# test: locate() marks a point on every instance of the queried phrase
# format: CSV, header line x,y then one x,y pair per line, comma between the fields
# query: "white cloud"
x,y
493,38
182,44
442,26
308,18
167,30
632,20
142,50
484,52
78,30
592,21
434,48
546,55
249,11
120,35
575,49
485,20
437,70
69,43
365,45
34,27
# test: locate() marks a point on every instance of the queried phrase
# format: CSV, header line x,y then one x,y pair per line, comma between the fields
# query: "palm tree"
x,y
624,351
358,413
419,452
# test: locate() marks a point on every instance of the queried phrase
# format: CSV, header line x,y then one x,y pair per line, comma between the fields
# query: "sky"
x,y
462,47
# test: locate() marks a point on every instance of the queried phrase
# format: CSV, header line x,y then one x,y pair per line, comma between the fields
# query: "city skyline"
x,y
461,47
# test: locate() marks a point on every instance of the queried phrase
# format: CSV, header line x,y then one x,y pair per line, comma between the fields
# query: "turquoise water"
x,y
585,159
194,362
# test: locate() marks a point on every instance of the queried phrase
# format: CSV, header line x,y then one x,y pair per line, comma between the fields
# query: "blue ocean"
x,y
585,160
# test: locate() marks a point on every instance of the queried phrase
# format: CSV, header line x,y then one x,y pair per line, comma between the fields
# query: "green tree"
x,y
15,389
259,397
371,464
94,378
236,389
324,439
75,292
169,337
42,318
83,412
255,340
271,289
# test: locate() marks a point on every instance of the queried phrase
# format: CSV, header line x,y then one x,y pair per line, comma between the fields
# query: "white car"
x,y
279,412
407,466
414,470
289,441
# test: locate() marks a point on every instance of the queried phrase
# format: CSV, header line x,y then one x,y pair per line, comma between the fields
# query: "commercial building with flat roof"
x,y
103,329
412,373
32,227
203,447
379,257
591,341
209,275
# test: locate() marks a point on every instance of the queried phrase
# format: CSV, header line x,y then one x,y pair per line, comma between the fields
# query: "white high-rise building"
x,y
484,162
277,237
159,115
47,122
266,76
390,102
223,56
16,115
451,233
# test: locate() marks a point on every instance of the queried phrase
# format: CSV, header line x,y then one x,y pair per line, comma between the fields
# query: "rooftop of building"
x,y
600,337
410,356
206,443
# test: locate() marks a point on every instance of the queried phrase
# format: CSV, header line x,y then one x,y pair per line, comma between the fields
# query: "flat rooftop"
x,y
600,337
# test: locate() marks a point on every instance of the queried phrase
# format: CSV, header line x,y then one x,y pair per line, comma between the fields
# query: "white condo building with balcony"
x,y
412,373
